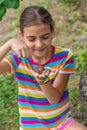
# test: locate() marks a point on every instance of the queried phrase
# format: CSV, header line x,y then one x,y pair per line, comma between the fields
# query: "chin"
x,y
39,55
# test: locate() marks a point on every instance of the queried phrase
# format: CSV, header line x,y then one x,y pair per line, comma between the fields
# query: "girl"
x,y
43,96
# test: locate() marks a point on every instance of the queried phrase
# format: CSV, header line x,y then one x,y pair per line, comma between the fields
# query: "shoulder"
x,y
60,49
65,52
17,58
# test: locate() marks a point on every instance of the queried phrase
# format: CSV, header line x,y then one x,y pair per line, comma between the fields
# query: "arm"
x,y
4,67
54,91
17,46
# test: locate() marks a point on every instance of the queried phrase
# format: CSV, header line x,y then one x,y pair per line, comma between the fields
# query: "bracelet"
x,y
43,80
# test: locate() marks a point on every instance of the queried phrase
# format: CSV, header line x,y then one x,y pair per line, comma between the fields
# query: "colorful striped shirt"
x,y
36,113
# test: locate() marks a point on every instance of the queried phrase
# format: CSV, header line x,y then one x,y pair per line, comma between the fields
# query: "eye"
x,y
31,39
45,36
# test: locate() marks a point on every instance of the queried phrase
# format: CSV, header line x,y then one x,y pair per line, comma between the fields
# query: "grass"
x,y
8,103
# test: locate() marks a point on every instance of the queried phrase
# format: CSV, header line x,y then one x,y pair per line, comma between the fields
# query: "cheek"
x,y
27,42
49,42
24,39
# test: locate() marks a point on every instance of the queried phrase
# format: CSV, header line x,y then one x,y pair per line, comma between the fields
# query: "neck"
x,y
44,59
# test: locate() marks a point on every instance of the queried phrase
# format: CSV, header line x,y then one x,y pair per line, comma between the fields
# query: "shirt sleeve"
x,y
13,62
68,65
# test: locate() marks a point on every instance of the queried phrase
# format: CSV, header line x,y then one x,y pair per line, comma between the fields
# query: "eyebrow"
x,y
40,36
45,34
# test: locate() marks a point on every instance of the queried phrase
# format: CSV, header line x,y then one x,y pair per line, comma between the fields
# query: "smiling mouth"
x,y
39,49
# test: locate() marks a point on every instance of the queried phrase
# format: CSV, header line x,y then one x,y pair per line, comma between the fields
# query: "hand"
x,y
42,74
19,46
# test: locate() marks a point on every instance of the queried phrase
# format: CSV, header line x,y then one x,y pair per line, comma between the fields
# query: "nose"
x,y
38,43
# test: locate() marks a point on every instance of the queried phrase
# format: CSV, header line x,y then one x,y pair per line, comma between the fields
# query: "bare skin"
x,y
37,44
76,126
12,45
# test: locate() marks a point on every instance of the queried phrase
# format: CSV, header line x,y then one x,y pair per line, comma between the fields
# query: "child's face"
x,y
38,38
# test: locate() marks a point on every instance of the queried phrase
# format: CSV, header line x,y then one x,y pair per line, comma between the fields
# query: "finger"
x,y
52,70
19,53
39,76
47,71
36,74
43,75
27,52
24,52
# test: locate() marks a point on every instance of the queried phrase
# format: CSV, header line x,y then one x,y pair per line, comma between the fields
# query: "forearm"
x,y
52,94
4,49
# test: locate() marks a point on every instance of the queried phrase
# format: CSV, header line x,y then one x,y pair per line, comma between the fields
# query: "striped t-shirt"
x,y
36,113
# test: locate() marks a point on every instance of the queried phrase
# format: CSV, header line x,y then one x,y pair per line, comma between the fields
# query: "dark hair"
x,y
34,15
